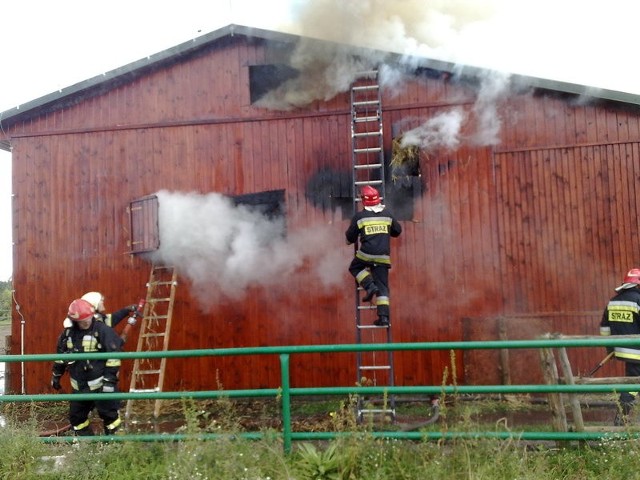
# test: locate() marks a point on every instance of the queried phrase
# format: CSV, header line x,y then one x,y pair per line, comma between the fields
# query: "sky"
x,y
48,45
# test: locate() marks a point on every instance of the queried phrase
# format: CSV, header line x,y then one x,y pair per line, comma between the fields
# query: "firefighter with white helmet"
x,y
622,317
96,299
373,226
88,335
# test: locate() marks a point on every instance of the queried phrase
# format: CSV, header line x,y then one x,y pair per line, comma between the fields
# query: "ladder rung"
x,y
367,307
367,150
369,182
365,87
164,282
157,300
144,390
363,103
145,335
370,327
376,367
365,119
368,166
146,372
367,134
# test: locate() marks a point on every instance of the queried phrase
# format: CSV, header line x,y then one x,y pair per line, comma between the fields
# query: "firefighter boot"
x,y
623,414
372,290
382,321
83,432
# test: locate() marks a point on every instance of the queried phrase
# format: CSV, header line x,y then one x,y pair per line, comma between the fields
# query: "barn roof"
x,y
80,91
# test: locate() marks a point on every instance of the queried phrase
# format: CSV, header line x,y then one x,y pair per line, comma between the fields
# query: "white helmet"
x,y
95,299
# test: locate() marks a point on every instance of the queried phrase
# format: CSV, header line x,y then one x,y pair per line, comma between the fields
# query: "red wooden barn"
x,y
516,197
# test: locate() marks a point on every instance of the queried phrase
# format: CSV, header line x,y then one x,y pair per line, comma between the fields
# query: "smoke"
x,y
445,130
224,249
440,131
361,35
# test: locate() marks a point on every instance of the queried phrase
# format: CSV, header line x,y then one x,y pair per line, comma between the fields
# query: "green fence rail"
x,y
286,391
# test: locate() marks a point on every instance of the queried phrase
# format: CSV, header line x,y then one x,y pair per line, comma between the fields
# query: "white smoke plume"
x,y
361,35
444,131
224,249
441,131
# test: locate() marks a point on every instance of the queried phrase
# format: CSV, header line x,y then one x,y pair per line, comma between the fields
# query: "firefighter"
x,y
85,335
373,226
96,299
622,317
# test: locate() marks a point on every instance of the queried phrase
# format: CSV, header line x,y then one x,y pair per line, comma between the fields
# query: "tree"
x,y
5,301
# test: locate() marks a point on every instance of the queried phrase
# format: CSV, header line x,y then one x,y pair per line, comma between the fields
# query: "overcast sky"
x,y
50,45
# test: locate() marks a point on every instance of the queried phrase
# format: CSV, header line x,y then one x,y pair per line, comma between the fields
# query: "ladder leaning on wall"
x,y
373,368
148,373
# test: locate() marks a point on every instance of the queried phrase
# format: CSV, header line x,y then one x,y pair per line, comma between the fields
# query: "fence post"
x,y
286,402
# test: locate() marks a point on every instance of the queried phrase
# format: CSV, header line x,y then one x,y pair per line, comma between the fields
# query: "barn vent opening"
x,y
144,225
405,185
265,78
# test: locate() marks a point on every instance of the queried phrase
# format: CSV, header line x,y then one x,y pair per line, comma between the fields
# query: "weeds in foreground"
x,y
361,456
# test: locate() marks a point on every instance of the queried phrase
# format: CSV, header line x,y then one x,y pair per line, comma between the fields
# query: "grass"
x,y
361,456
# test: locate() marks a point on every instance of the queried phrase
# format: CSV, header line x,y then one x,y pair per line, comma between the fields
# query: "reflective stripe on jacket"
x,y
622,317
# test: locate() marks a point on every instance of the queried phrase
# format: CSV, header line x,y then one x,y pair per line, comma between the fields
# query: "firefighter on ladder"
x,y
622,317
373,226
88,335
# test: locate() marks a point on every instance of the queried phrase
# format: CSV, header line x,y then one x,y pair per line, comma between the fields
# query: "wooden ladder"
x,y
148,373
373,368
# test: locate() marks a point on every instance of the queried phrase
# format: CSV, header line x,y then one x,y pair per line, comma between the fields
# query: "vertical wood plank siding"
x,y
532,233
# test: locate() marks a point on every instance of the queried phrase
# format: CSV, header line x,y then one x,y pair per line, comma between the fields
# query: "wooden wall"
x,y
521,238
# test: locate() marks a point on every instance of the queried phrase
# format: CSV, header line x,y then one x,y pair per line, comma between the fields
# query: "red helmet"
x,y
80,310
370,196
633,276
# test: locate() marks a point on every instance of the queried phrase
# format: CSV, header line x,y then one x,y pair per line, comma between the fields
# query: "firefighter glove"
x,y
132,308
55,382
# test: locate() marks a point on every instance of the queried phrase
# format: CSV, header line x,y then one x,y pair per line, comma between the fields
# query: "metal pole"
x,y
286,402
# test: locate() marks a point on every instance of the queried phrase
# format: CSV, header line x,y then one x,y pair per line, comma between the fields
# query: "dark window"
x,y
264,78
404,181
270,203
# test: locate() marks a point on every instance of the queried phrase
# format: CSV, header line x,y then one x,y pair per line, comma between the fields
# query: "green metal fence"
x,y
286,391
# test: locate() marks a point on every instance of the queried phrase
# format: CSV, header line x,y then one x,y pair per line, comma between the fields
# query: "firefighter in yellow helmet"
x,y
622,317
88,335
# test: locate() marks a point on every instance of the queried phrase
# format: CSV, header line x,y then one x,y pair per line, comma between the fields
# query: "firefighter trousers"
x,y
367,273
108,411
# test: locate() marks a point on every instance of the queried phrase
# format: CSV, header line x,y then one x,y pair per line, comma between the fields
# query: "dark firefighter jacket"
x,y
374,230
89,375
113,319
622,317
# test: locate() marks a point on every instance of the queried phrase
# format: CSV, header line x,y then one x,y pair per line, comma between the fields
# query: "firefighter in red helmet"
x,y
85,335
622,317
373,226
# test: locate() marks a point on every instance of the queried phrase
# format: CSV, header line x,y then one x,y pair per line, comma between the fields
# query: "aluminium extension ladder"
x,y
148,373
373,368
